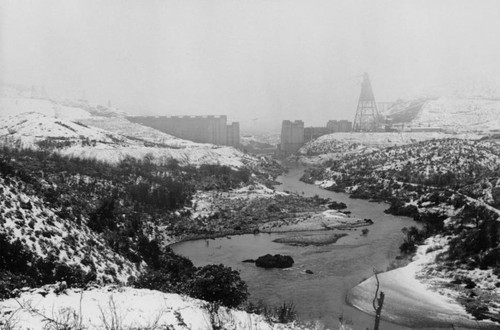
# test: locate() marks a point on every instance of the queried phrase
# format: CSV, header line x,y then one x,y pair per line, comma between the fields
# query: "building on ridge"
x,y
202,129
312,133
292,137
233,134
335,126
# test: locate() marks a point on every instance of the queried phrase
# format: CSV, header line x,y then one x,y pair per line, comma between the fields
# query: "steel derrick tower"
x,y
366,119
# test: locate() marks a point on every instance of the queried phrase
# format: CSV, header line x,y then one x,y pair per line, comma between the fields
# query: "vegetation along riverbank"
x,y
452,188
85,223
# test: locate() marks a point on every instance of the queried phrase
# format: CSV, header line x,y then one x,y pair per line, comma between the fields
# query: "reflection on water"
x,y
336,268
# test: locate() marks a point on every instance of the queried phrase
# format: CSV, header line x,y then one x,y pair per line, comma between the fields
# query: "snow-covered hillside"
x,y
452,187
136,131
366,142
451,114
436,162
46,234
64,109
468,105
81,130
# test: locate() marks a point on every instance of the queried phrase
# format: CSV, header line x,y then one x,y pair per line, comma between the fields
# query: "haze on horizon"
x,y
257,61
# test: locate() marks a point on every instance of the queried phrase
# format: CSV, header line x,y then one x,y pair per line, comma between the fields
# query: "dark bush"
x,y
20,267
13,255
491,259
218,283
103,218
479,245
150,251
398,207
477,310
9,282
170,274
408,248
469,283
73,276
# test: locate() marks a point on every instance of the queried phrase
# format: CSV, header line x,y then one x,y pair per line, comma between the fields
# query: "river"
x,y
336,268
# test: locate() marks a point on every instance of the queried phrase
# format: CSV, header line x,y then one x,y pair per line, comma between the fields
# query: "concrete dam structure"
x,y
202,129
292,137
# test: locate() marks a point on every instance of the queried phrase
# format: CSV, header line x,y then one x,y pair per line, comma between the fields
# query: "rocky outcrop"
x,y
337,206
276,261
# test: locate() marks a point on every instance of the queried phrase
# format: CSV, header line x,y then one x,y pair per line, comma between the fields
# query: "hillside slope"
x,y
49,235
122,140
468,166
79,129
336,145
451,114
452,187
466,105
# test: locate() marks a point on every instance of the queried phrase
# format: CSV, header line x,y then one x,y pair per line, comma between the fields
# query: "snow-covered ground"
x,y
26,218
469,104
458,114
11,106
204,202
326,220
78,129
332,146
136,131
408,294
122,308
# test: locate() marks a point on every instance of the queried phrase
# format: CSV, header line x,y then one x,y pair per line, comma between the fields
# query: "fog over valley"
x,y
255,61
249,164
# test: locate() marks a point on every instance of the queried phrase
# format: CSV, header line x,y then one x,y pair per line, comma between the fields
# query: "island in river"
x,y
336,267
258,209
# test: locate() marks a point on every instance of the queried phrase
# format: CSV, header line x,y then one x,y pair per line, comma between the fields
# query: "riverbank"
x,y
256,209
451,193
336,267
414,299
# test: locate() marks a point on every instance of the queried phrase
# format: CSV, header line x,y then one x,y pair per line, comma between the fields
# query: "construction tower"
x,y
367,117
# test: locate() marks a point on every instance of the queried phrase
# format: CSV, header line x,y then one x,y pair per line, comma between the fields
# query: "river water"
x,y
336,268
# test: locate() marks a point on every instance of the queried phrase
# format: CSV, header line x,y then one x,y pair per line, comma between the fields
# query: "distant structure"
x,y
382,107
292,137
233,134
202,129
312,133
367,117
335,126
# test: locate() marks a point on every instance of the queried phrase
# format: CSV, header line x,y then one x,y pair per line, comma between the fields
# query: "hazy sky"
x,y
264,59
